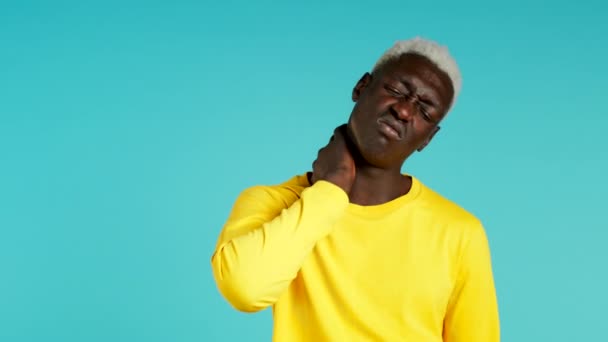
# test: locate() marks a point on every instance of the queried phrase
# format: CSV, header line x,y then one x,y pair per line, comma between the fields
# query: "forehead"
x,y
418,69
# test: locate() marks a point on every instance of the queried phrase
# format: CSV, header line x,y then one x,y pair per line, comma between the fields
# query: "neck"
x,y
373,186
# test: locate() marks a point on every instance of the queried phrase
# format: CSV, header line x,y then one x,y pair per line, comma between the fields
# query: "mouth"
x,y
391,128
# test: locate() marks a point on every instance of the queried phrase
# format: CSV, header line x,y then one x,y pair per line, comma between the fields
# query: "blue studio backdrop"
x,y
128,128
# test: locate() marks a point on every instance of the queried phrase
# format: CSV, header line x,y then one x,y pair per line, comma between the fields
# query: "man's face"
x,y
398,109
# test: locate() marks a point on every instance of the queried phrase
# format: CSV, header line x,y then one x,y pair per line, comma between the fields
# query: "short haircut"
x,y
436,53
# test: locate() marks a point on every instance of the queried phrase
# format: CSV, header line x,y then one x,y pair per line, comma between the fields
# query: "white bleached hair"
x,y
436,53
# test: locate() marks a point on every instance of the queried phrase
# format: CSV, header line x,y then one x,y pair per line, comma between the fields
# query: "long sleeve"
x,y
266,240
472,314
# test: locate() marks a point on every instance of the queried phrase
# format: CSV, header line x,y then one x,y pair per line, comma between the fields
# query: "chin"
x,y
377,157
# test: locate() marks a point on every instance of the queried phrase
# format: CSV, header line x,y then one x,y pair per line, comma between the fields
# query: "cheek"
x,y
357,119
354,131
422,132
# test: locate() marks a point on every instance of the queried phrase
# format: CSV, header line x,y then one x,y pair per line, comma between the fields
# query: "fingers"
x,y
331,155
315,170
340,130
339,133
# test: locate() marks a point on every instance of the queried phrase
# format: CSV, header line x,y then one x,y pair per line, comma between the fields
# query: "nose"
x,y
404,109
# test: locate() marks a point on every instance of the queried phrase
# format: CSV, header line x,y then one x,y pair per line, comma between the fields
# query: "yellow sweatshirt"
x,y
417,268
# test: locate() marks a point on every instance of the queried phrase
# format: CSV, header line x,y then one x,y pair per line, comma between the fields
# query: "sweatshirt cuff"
x,y
327,197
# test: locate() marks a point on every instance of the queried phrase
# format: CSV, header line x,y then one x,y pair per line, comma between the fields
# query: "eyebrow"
x,y
425,98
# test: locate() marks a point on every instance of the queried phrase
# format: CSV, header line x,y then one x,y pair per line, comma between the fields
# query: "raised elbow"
x,y
238,287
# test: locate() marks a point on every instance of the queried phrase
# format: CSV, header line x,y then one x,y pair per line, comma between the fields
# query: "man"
x,y
356,250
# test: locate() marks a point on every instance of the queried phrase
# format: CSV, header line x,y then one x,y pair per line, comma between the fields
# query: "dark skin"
x,y
397,111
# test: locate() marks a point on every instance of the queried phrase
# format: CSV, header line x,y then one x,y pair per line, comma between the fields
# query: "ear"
x,y
361,85
428,140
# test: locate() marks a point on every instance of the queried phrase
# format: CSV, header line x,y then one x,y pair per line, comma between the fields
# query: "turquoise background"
x,y
127,129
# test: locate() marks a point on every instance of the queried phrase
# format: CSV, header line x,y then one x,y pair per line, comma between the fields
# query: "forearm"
x,y
254,268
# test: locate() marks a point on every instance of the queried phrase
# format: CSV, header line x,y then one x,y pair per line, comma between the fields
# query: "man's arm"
x,y
266,240
264,243
472,314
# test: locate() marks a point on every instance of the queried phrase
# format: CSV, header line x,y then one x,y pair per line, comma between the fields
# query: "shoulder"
x,y
464,230
447,211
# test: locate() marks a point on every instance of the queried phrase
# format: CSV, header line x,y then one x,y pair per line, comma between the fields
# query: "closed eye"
x,y
394,92
425,114
420,103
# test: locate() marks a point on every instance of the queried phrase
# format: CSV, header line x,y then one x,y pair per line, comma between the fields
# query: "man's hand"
x,y
334,162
